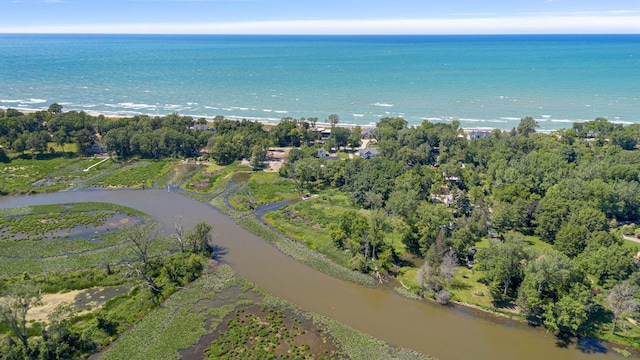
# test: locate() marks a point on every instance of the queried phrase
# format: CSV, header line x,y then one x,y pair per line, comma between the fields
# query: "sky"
x,y
321,16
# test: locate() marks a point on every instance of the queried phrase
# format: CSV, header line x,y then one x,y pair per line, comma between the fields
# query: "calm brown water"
x,y
432,329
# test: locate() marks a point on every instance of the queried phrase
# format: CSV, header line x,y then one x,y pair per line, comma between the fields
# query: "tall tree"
x,y
140,237
501,263
527,126
334,119
179,229
622,299
199,238
14,306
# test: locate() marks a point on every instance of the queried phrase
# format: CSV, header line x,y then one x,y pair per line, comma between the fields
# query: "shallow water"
x,y
444,332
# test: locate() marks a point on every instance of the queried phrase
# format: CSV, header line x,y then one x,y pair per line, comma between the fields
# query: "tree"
x,y
179,229
622,299
527,126
571,311
61,341
199,238
608,262
430,220
571,239
16,303
449,266
140,237
501,263
258,156
55,108
355,137
38,141
333,120
340,136
555,292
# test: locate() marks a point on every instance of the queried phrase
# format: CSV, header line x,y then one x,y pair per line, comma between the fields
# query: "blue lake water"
x,y
482,81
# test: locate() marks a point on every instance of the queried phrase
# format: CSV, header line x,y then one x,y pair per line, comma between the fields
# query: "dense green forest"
x,y
575,189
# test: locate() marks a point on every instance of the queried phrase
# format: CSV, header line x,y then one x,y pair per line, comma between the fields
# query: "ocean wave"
x,y
281,112
130,105
35,101
382,105
357,115
10,101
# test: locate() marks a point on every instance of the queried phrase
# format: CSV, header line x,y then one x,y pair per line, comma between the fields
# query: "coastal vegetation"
x,y
539,209
181,301
75,276
521,223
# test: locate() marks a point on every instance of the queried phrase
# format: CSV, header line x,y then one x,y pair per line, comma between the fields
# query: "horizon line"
x,y
324,34
514,25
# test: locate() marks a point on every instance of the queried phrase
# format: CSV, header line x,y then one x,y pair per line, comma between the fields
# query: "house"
x,y
202,127
97,148
367,133
479,134
368,153
322,154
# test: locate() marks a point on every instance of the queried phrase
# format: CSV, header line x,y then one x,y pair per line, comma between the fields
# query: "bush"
x,y
628,229
443,296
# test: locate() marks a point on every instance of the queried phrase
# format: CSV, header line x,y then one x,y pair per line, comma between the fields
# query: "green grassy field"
x,y
307,221
263,188
206,181
134,174
30,175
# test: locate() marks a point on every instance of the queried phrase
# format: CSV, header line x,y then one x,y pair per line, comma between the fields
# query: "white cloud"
x,y
539,24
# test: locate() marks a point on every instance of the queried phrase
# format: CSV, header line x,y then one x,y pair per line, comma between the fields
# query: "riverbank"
x,y
484,309
379,312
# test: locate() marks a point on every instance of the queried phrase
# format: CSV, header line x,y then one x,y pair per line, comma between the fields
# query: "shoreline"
x,y
273,122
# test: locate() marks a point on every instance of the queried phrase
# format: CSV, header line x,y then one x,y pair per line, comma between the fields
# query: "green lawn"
x,y
134,174
63,148
263,188
308,220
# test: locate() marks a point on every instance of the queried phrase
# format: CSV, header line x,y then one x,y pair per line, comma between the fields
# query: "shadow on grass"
x,y
459,285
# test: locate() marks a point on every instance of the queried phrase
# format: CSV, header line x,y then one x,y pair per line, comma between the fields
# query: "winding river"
x,y
443,332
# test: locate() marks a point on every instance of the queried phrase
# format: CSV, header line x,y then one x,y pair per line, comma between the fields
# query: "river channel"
x,y
444,332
